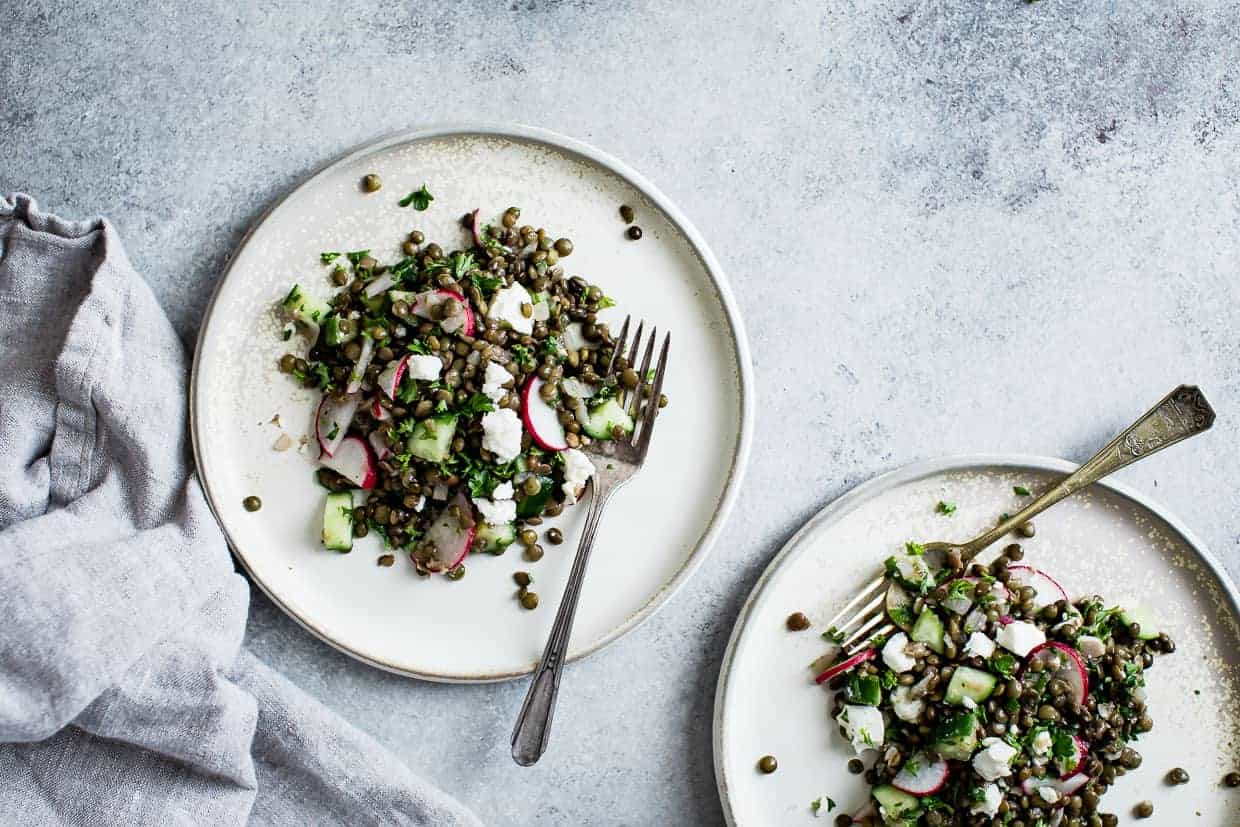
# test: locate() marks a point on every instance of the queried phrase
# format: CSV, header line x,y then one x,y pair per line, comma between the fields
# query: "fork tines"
x,y
642,402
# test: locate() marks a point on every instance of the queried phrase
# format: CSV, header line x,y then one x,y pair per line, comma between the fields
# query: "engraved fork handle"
x,y
533,729
1182,413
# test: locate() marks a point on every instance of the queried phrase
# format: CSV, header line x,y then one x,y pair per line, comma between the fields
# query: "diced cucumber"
x,y
495,539
928,630
334,335
1144,618
338,521
864,689
532,504
970,683
896,802
956,738
604,418
305,308
431,439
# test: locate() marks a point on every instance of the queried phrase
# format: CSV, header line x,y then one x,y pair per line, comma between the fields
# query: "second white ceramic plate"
x,y
655,532
1107,540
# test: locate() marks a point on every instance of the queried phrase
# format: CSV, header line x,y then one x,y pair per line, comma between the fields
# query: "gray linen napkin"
x,y
125,694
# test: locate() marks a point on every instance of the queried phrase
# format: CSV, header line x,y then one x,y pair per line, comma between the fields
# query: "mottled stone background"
x,y
952,226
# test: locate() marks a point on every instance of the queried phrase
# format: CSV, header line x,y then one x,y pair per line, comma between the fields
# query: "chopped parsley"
x,y
419,347
328,258
420,199
1004,664
900,615
1021,491
407,393
605,302
888,680
356,256
834,635
477,403
486,284
334,432
523,356
960,588
945,507
817,803
914,549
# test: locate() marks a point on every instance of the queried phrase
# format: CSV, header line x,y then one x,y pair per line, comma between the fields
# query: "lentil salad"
x,y
1000,701
458,389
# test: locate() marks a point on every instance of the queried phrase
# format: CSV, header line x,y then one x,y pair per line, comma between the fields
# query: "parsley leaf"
x,y
356,256
419,347
1021,491
485,284
476,404
914,549
420,199
834,635
407,393
524,358
945,507
328,258
462,263
605,302
1004,664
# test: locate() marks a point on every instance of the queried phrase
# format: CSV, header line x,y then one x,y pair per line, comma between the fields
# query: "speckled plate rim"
x,y
885,482
714,271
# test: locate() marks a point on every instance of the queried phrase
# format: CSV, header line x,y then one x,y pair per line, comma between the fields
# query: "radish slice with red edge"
x,y
363,362
331,423
541,419
462,319
840,668
354,461
451,541
380,444
1064,786
1046,588
477,228
1063,662
1069,769
389,379
929,777
382,284
380,413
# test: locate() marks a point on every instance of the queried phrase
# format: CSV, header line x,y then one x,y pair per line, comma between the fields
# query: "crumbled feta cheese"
x,y
905,706
577,469
894,655
989,802
1048,794
494,380
421,503
863,726
506,307
496,512
501,434
424,368
975,620
914,569
542,310
994,760
1041,742
980,645
1020,637
503,491
1091,647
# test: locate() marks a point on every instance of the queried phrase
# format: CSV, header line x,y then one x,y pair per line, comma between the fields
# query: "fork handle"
x,y
533,729
1182,413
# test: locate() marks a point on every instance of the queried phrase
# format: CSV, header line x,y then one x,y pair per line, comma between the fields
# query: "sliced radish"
x,y
841,668
382,284
541,419
331,423
389,379
380,444
1063,662
477,228
451,541
363,362
1047,589
1070,768
380,413
462,317
354,461
929,778
1063,786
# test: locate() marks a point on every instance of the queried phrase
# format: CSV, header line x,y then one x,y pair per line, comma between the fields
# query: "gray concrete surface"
x,y
952,226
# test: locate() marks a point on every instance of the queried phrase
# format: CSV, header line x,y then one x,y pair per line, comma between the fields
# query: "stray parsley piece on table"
x,y
945,507
328,258
817,803
914,549
1021,491
420,199
834,635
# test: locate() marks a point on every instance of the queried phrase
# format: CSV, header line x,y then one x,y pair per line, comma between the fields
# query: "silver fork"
x,y
1180,414
620,460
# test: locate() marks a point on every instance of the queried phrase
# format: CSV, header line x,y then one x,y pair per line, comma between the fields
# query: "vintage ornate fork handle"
x,y
529,737
1182,413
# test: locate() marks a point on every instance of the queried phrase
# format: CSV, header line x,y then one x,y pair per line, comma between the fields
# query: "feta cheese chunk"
x,y
493,381
424,368
1091,647
542,310
989,803
496,512
501,434
503,491
905,706
894,656
577,469
863,726
980,645
1048,794
1020,637
1041,742
506,307
993,761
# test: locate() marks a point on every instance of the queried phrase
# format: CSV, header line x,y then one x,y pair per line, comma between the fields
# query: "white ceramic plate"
x,y
656,531
1107,540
